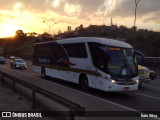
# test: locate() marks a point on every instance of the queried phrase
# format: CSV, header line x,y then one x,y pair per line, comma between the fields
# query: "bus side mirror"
x,y
139,57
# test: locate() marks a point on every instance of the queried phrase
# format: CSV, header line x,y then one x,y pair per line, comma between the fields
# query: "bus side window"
x,y
58,51
76,50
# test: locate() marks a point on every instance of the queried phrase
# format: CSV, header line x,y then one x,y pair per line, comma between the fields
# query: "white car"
x,y
145,74
18,63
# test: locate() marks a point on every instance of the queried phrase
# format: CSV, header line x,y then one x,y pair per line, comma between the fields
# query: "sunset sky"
x,y
28,15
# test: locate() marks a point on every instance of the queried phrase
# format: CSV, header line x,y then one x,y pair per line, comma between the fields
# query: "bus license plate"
x,y
126,88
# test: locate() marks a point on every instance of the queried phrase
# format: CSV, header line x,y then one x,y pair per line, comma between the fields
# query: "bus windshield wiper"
x,y
128,66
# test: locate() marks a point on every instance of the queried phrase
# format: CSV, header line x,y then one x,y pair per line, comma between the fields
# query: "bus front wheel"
x,y
43,73
140,86
84,83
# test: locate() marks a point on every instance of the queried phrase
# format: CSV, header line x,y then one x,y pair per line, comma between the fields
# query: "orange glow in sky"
x,y
28,15
8,30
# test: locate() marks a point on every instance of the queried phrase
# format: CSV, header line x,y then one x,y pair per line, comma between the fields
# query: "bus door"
x,y
98,55
101,81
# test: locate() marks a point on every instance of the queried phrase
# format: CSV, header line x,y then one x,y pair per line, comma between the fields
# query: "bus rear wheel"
x,y
43,73
84,83
11,66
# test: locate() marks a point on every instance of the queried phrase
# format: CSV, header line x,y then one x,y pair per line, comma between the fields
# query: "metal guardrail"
x,y
150,61
74,108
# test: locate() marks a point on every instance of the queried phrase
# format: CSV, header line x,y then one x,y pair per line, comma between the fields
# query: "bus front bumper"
x,y
124,86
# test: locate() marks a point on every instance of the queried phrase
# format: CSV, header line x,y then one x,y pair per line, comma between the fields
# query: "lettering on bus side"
x,y
65,61
43,60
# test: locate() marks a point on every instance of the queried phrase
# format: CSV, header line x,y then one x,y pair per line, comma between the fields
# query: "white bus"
x,y
99,63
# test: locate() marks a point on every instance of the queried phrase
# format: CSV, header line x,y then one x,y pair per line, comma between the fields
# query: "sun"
x,y
8,30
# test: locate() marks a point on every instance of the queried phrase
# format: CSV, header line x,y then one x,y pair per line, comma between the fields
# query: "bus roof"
x,y
106,41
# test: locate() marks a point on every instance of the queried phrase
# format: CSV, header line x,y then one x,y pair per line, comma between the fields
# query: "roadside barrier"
x,y
74,108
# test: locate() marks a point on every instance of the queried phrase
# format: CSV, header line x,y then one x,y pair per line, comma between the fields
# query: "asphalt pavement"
x,y
10,102
145,99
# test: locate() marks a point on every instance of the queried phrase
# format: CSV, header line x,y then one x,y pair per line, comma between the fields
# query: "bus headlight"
x,y
113,81
137,81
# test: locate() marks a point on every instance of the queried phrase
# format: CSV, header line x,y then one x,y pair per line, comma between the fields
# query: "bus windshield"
x,y
122,62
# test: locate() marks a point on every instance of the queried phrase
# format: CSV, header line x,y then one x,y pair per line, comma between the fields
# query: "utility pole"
x,y
136,5
111,21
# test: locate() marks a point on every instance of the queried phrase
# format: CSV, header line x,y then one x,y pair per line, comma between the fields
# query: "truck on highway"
x,y
100,63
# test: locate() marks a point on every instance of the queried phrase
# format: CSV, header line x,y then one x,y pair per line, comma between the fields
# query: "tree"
x,y
34,34
19,35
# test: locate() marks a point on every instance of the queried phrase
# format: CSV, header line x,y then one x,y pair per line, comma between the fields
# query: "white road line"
x,y
116,104
119,105
148,96
110,102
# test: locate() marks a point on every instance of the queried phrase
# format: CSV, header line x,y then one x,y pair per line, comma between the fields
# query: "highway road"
x,y
145,99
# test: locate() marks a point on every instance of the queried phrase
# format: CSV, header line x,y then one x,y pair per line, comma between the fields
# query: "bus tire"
x,y
84,83
152,78
43,72
11,66
140,86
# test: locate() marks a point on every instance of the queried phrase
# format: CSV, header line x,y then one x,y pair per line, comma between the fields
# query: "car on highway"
x,y
18,63
2,60
145,74
12,57
152,74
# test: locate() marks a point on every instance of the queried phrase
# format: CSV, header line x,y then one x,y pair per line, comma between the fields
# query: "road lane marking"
x,y
119,105
148,96
104,100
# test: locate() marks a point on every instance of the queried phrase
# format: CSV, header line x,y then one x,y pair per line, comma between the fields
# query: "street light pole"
x,y
136,4
49,26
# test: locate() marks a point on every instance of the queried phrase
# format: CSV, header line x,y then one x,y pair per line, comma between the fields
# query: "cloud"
x,y
107,6
120,8
123,11
125,8
72,9
80,11
30,5
152,18
55,3
17,6
78,8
